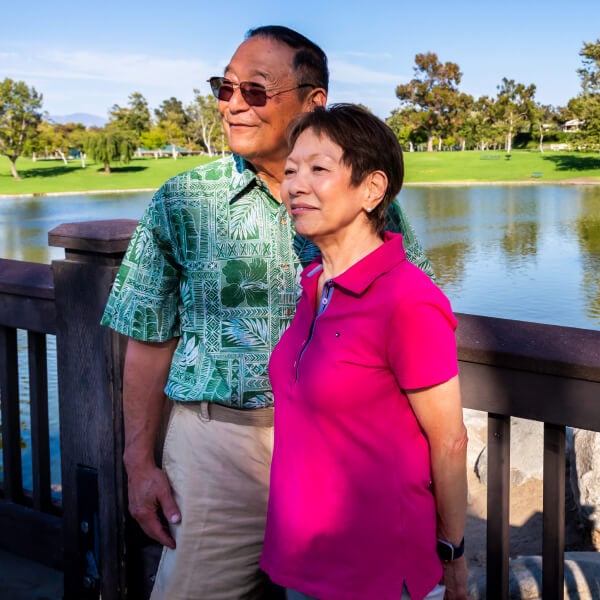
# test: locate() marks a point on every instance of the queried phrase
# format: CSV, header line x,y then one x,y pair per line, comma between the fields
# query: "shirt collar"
x,y
243,179
363,273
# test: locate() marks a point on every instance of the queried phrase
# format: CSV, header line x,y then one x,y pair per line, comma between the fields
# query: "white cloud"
x,y
106,66
350,72
84,80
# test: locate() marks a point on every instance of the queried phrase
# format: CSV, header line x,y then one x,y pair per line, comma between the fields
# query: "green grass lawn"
x,y
46,176
522,166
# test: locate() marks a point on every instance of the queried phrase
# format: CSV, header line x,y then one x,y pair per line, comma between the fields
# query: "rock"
x,y
584,458
526,452
582,578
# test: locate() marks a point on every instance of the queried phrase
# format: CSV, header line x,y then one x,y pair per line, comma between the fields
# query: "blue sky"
x,y
85,57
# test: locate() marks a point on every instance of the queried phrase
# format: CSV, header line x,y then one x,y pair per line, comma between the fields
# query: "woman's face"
x,y
317,191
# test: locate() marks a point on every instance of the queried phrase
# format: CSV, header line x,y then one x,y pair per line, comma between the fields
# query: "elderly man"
x,y
208,285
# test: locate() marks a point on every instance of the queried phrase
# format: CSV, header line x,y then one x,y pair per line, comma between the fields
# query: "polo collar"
x,y
362,274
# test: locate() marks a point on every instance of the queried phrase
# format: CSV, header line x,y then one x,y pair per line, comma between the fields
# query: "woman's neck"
x,y
338,256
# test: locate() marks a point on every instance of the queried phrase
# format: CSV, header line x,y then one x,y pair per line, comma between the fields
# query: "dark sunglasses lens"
x,y
221,89
254,95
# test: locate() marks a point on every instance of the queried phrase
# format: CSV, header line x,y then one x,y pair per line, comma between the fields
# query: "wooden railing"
x,y
508,369
30,521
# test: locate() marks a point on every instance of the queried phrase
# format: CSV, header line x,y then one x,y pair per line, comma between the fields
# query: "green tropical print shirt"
x,y
215,261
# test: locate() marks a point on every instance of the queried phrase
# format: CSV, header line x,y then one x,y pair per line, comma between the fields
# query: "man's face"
x,y
257,133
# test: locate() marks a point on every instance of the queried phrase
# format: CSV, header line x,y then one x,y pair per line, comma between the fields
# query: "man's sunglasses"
x,y
254,94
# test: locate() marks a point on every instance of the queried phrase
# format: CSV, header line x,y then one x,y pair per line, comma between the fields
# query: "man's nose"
x,y
237,102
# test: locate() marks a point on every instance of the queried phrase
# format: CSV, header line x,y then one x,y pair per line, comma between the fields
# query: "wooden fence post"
x,y
89,365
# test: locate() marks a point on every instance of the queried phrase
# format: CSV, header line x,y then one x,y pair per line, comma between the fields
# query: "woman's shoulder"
x,y
408,284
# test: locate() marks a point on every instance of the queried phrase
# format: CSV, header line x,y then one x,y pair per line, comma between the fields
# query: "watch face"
x,y
447,551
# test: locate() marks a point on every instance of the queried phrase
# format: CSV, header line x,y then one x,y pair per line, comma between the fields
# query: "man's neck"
x,y
272,175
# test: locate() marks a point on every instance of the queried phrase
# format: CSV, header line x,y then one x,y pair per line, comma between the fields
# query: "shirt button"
x,y
283,221
285,266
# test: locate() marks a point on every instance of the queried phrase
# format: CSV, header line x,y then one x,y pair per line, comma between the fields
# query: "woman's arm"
x,y
439,412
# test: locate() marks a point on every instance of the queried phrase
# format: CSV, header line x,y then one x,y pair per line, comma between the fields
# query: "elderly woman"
x,y
368,481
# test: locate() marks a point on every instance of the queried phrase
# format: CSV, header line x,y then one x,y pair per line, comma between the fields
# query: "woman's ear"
x,y
376,186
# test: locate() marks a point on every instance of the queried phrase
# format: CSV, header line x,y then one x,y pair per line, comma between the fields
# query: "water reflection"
x,y
514,252
529,253
588,232
25,221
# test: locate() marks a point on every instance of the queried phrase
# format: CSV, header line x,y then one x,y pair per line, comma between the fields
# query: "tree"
x,y
407,124
542,117
20,113
587,104
172,110
135,118
58,139
205,121
590,71
513,108
109,145
155,138
434,92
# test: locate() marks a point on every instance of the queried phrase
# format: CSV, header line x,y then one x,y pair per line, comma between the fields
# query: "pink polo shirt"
x,y
351,512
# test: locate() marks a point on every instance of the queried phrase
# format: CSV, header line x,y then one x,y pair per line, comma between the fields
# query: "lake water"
x,y
529,253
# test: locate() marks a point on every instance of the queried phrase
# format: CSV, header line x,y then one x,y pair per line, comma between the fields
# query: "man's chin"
x,y
245,150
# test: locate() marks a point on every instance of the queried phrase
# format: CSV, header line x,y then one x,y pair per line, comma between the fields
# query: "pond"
x,y
518,252
528,253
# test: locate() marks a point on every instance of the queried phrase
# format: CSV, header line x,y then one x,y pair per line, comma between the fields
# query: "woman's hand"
x,y
455,579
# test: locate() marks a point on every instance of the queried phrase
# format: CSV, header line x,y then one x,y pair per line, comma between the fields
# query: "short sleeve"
x,y
144,300
422,349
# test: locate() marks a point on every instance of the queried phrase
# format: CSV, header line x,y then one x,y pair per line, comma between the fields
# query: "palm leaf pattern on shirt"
x,y
244,218
246,333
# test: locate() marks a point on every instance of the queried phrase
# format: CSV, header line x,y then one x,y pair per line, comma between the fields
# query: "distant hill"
x,y
85,118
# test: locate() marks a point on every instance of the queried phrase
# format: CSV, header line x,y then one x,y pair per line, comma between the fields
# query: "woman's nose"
x,y
297,183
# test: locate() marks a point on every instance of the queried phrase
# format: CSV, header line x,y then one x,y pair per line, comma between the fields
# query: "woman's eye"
x,y
319,168
288,172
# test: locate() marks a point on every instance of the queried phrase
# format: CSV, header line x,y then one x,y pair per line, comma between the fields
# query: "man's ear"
x,y
316,97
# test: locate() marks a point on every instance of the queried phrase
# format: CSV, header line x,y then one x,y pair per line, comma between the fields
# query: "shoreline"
x,y
563,182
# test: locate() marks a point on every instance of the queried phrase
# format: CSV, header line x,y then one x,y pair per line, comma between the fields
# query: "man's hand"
x,y
455,579
146,370
149,490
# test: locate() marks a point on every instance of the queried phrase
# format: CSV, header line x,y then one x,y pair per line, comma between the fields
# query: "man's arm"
x,y
397,222
146,371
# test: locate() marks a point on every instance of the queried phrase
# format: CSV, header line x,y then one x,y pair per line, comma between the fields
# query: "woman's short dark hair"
x,y
367,144
310,62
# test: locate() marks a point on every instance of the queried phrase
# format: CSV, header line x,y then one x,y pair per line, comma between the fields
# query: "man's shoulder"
x,y
226,173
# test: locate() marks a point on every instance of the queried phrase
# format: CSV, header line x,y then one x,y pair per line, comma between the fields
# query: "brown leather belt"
x,y
211,411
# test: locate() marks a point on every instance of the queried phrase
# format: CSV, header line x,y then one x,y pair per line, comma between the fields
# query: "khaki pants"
x,y
219,472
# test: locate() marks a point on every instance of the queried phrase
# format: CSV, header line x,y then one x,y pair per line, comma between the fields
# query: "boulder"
x,y
584,476
582,578
526,452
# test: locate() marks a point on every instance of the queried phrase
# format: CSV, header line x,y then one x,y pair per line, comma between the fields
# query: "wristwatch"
x,y
447,551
